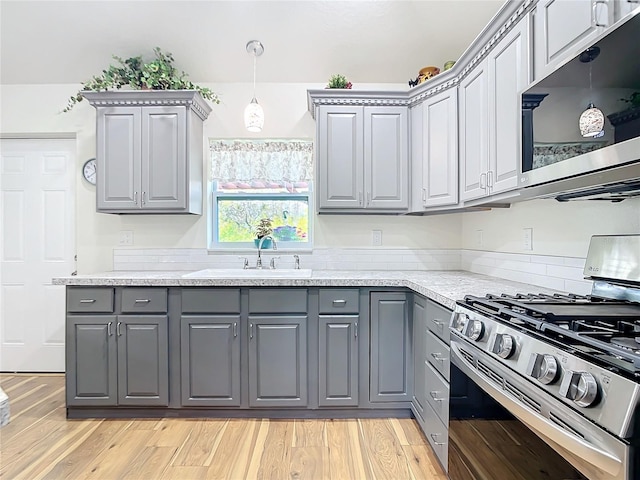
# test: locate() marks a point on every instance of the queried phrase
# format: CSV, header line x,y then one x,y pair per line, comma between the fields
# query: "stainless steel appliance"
x,y
557,162
565,366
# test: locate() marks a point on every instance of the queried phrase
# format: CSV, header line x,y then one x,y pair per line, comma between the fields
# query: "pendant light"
x,y
253,113
591,121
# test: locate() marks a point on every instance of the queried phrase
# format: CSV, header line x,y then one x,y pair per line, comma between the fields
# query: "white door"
x,y
37,219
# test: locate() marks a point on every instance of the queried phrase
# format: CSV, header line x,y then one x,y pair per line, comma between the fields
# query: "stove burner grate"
x,y
627,343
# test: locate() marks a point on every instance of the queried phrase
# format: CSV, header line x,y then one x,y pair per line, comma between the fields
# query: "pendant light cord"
x,y
255,59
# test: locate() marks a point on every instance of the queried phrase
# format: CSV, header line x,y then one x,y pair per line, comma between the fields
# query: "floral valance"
x,y
261,160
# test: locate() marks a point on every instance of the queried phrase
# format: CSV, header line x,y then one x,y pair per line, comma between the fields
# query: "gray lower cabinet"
x,y
419,398
338,360
278,361
117,360
391,359
210,360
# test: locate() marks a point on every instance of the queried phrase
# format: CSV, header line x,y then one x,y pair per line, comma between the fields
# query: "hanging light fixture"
x,y
591,121
253,113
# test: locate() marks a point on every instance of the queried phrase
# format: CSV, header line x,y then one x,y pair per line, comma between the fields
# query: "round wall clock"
x,y
89,171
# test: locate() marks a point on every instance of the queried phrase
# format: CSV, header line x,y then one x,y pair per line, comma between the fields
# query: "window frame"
x,y
215,195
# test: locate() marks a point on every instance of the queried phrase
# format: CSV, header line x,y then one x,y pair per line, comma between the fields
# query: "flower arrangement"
x,y
264,227
158,74
339,81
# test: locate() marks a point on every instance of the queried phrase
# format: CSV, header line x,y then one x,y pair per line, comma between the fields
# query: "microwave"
x,y
557,160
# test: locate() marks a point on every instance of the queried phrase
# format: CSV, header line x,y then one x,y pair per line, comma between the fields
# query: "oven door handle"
x,y
588,453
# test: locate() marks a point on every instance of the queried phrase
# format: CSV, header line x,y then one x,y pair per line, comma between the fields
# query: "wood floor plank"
x,y
344,462
256,456
170,432
245,451
277,451
411,430
179,472
224,457
309,463
383,449
113,462
200,444
150,463
422,463
309,433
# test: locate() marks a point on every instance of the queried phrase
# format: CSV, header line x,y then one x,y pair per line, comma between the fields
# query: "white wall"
x,y
35,109
562,229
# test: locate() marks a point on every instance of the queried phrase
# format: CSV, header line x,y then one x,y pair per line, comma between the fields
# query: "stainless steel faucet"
x,y
275,247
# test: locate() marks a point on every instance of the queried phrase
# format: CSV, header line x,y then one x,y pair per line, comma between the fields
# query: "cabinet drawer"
x,y
90,300
438,355
277,300
438,318
147,300
339,301
437,392
210,300
437,433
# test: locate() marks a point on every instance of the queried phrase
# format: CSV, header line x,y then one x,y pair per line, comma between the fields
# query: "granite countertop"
x,y
445,287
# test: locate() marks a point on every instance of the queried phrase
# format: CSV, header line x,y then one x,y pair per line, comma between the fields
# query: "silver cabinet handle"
x,y
595,12
424,194
118,332
143,202
368,198
135,198
434,438
235,329
490,179
251,330
438,323
339,303
87,300
437,357
483,181
434,395
297,262
142,300
359,198
355,330
109,332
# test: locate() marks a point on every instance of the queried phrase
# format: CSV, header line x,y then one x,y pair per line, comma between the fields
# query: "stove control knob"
x,y
459,322
544,368
474,330
581,387
504,345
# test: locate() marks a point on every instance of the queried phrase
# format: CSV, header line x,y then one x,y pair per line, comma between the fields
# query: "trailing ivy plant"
x,y
158,74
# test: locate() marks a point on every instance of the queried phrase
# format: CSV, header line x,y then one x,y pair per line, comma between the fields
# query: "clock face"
x,y
89,171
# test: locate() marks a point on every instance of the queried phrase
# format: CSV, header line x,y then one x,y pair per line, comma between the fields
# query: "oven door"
x,y
593,452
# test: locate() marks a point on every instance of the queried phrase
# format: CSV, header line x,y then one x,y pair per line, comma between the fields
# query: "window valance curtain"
x,y
264,160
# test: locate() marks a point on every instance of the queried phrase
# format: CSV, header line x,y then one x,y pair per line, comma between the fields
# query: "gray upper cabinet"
x,y
565,27
434,151
391,358
149,151
490,118
623,7
278,361
362,157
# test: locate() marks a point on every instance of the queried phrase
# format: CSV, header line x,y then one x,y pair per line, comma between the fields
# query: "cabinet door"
x,y
340,157
118,158
623,7
391,372
278,361
91,371
386,153
164,160
474,150
509,70
419,355
563,28
143,360
210,360
440,140
338,359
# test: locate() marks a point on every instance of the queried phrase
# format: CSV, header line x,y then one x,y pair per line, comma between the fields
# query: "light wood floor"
x,y
41,443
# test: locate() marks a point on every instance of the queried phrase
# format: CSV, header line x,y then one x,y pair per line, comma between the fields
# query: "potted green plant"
x,y
263,228
157,74
626,123
339,81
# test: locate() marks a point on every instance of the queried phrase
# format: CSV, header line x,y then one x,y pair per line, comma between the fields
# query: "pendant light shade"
x,y
591,122
253,113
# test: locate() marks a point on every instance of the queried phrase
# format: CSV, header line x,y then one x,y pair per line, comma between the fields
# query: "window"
x,y
261,179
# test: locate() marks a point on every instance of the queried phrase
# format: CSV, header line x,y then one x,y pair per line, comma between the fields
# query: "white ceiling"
x,y
382,41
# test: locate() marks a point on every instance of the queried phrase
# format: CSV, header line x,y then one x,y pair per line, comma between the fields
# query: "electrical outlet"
x,y
126,238
478,238
376,238
527,239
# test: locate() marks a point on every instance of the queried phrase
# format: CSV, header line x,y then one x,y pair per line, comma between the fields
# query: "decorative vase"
x,y
266,244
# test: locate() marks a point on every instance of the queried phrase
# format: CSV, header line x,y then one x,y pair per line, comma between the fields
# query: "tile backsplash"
x,y
559,273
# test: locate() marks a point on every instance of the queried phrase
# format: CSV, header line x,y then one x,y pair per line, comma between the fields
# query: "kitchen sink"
x,y
250,273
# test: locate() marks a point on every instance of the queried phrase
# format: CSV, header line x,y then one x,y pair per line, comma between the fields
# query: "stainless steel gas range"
x,y
565,366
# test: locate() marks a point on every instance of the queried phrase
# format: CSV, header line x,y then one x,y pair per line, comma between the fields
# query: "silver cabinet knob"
x,y
504,345
544,368
581,387
474,330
